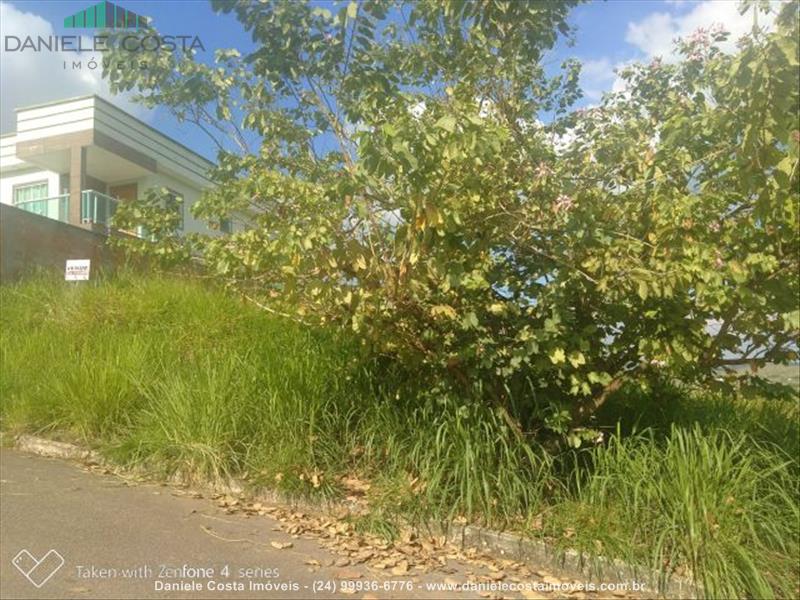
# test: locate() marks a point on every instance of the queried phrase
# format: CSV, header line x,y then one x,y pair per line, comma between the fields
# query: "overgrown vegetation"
x,y
412,172
494,308
174,376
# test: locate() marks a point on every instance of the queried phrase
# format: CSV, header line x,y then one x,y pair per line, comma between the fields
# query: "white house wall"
x,y
55,119
8,182
8,154
190,196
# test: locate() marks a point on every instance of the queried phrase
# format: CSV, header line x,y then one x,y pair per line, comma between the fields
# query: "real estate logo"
x,y
109,18
106,15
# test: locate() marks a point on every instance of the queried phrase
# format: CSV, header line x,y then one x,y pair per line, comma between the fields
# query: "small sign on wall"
x,y
77,270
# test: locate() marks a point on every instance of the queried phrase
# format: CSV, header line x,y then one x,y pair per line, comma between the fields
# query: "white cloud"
x,y
597,69
655,34
596,77
28,77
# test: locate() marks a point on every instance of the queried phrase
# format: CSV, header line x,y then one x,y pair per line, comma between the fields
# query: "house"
x,y
74,160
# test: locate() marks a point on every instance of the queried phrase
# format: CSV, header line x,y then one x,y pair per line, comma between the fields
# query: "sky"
x,y
609,35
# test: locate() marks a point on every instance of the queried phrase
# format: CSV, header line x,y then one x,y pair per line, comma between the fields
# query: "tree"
x,y
396,177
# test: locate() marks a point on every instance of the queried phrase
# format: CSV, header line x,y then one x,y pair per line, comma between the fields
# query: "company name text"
x,y
100,43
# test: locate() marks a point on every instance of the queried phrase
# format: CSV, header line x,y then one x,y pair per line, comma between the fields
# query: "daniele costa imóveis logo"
x,y
117,27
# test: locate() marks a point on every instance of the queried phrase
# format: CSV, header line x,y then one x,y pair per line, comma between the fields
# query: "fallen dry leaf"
x,y
281,545
401,568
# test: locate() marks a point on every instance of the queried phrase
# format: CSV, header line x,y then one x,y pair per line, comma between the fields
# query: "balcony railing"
x,y
97,208
55,207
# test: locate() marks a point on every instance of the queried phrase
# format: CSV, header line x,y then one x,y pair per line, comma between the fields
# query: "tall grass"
x,y
719,508
177,377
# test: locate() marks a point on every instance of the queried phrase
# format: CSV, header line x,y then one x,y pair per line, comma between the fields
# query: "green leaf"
x,y
444,310
577,359
558,356
470,320
642,289
447,122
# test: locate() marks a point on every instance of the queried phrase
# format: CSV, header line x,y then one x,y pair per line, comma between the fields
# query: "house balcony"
x,y
96,208
56,207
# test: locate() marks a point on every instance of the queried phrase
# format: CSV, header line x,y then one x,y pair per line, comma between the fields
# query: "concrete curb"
x,y
535,553
569,564
53,449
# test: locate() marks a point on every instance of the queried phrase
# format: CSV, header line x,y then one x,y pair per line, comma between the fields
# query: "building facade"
x,y
75,160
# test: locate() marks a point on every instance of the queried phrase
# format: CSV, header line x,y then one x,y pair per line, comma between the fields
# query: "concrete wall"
x,y
29,241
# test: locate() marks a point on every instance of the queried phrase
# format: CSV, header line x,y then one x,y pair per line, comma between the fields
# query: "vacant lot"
x,y
176,377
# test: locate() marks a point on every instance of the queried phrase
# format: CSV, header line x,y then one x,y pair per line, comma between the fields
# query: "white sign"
x,y
77,270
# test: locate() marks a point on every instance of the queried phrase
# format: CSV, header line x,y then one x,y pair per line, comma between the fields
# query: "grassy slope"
x,y
177,377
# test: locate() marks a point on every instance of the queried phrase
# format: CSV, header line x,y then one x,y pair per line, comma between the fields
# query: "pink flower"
x,y
700,37
698,44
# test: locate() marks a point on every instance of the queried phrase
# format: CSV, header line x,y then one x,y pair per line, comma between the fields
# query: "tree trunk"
x,y
585,409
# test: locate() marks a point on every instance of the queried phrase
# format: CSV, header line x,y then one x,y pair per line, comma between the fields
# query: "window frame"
x,y
18,186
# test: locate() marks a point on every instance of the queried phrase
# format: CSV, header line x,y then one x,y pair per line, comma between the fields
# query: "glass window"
x,y
28,195
225,226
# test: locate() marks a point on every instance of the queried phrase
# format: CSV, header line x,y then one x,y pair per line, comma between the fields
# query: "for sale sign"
x,y
78,270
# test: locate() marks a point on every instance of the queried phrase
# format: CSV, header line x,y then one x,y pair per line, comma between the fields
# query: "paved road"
x,y
120,541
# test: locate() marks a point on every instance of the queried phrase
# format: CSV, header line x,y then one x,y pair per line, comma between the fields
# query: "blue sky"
x,y
609,34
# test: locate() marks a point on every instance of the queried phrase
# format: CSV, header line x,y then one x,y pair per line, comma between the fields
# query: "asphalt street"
x,y
69,533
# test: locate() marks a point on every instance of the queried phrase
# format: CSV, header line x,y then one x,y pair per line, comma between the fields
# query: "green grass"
x,y
719,508
177,377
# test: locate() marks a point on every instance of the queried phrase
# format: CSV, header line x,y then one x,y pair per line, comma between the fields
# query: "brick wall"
x,y
29,241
